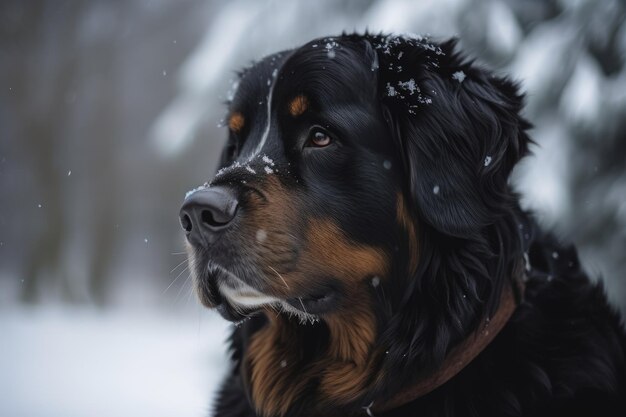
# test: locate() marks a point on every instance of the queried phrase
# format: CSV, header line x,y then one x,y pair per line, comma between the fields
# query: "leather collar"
x,y
461,355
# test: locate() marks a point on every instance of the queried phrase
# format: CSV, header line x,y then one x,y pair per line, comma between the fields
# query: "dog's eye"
x,y
318,138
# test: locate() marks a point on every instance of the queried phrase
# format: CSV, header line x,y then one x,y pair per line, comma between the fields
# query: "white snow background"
x,y
78,361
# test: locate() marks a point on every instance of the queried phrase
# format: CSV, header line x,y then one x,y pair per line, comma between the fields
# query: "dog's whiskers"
x,y
302,304
192,288
175,279
182,286
224,270
177,266
279,276
191,293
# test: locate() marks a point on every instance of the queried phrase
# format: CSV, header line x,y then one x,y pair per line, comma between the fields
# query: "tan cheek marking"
x,y
329,250
405,220
298,105
236,122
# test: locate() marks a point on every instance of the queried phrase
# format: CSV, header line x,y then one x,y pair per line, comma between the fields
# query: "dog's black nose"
x,y
206,213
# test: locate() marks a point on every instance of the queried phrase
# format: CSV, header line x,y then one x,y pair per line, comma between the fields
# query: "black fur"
x,y
452,143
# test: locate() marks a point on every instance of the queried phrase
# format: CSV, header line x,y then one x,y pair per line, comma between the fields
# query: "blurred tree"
x,y
39,76
85,80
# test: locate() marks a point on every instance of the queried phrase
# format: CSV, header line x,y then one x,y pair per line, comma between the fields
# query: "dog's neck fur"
x,y
278,374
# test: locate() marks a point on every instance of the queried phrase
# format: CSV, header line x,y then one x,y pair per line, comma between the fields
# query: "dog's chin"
x,y
236,300
220,290
316,304
235,315
226,308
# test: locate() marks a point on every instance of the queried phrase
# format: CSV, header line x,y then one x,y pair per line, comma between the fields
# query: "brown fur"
x,y
346,368
287,269
406,221
298,105
275,370
343,258
236,122
344,371
349,365
274,215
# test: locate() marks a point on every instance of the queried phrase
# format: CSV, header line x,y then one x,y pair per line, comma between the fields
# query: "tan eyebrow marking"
x,y
298,105
236,122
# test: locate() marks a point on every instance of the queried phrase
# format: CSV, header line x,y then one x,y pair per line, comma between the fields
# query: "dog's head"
x,y
364,183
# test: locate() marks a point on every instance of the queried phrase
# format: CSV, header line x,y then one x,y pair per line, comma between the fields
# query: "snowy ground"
x,y
77,361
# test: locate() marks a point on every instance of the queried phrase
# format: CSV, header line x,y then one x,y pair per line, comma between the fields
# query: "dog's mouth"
x,y
314,303
236,300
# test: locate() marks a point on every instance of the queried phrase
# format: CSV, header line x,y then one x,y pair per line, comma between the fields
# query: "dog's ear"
x,y
457,127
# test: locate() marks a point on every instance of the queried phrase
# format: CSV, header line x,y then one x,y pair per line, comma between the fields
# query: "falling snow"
x,y
436,189
368,409
458,76
230,95
261,235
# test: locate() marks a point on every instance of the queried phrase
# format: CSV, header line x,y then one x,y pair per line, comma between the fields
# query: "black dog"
x,y
362,221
